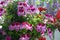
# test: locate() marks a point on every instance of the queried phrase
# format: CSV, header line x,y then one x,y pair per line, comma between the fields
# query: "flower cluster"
x,y
50,18
17,26
24,8
39,23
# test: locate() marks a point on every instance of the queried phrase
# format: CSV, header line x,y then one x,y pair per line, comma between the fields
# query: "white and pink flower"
x,y
2,11
27,26
4,3
24,37
50,17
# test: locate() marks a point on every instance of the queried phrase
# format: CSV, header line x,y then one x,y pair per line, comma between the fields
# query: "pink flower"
x,y
21,8
4,3
24,9
2,32
24,37
15,26
27,26
41,28
50,17
31,9
8,38
22,4
50,33
2,11
20,11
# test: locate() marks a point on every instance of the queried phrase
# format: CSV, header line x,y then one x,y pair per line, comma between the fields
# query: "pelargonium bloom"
x,y
50,33
20,11
22,4
15,26
8,38
2,11
50,17
31,9
27,26
24,37
21,8
4,3
41,28
24,9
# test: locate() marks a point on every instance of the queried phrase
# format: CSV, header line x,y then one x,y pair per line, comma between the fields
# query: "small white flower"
x,y
0,27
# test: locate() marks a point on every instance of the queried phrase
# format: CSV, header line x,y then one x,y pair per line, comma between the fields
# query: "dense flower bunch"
x,y
17,26
24,8
23,22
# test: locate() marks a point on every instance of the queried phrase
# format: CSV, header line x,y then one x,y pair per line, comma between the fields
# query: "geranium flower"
x,y
27,26
50,17
41,9
8,38
21,8
24,37
20,11
24,9
4,3
31,9
2,11
41,28
15,26
50,33
23,4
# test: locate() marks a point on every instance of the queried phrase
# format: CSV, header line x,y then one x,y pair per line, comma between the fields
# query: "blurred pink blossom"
x,y
15,26
24,37
27,26
2,11
4,3
50,33
50,17
8,38
41,28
